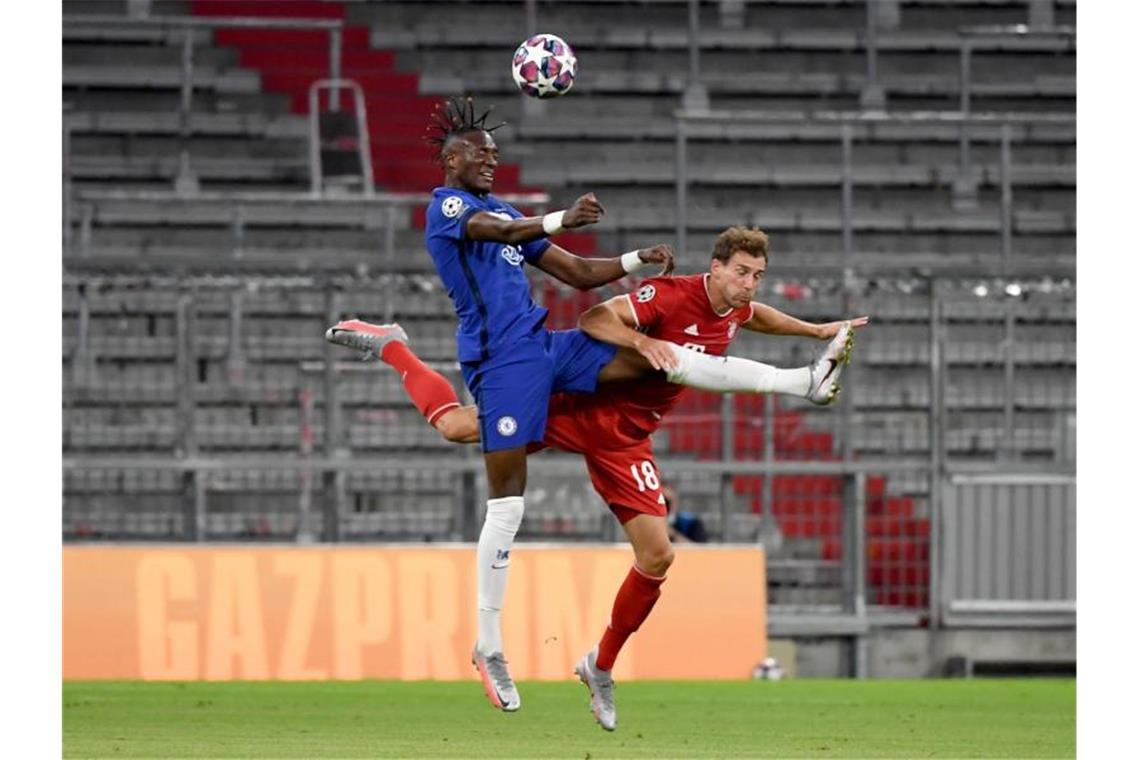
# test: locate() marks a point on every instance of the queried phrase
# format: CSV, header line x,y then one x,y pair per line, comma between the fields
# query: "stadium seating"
x,y
256,350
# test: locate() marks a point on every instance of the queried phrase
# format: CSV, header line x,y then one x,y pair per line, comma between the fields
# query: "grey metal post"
x,y
83,361
530,12
1009,445
235,353
855,562
1006,200
186,183
332,492
187,372
847,400
193,488
854,566
767,510
965,189
533,108
365,143
239,231
848,203
873,98
696,97
86,221
848,192
681,173
1041,13
694,41
67,204
305,501
468,507
316,177
964,86
390,234
200,483
937,460
389,280
871,44
726,441
334,67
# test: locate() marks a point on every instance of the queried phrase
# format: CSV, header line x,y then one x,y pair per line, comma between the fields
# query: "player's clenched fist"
x,y
658,254
586,210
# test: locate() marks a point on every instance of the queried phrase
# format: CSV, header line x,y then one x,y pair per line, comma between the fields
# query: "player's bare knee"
x,y
657,559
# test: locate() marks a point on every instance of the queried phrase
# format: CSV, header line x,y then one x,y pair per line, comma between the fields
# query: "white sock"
x,y
493,559
725,374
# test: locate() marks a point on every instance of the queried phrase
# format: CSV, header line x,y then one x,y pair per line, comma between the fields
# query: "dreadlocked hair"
x,y
455,116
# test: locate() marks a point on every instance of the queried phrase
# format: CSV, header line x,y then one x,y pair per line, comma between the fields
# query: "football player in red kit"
x,y
675,326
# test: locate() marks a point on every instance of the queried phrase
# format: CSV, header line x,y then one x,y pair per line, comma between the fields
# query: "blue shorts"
x,y
513,389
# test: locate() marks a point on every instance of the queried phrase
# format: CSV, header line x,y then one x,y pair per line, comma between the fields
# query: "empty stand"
x,y
192,324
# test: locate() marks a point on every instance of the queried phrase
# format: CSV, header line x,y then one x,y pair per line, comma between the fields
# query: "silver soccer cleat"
x,y
497,681
365,337
826,369
601,686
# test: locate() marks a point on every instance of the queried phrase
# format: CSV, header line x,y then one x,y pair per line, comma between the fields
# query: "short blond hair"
x,y
752,241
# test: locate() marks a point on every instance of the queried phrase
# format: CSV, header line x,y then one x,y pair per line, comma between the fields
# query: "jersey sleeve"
x,y
651,301
448,216
533,250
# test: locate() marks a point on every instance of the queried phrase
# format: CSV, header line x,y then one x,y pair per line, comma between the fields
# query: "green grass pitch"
x,y
801,718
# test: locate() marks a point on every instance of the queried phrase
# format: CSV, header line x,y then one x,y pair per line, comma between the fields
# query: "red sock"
x,y
429,390
635,599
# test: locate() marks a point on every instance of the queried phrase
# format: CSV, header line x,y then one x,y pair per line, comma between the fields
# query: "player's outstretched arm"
x,y
772,321
613,321
485,226
585,274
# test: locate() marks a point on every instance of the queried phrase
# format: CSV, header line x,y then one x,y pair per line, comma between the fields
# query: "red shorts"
x,y
619,456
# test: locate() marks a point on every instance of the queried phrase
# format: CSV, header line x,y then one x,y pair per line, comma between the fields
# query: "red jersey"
x,y
673,309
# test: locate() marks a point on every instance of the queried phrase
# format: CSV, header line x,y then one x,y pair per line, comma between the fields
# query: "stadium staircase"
x,y
289,61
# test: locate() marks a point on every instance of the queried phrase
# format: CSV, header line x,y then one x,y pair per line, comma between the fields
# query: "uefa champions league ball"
x,y
544,66
769,670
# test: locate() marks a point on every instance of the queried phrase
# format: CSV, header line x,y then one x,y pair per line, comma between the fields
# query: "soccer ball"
x,y
544,66
769,670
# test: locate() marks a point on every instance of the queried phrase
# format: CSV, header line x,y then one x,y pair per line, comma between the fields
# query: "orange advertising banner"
x,y
394,611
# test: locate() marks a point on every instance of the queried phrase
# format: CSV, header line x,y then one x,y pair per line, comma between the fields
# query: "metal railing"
x,y
881,13
966,191
845,124
363,146
186,182
375,211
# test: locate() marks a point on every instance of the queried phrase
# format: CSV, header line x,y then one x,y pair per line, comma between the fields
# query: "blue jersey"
x,y
484,278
